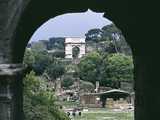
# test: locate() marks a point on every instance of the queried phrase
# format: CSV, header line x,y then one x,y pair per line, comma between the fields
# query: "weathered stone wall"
x,y
11,92
10,13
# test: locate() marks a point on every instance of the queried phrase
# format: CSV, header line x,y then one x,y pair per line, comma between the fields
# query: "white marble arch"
x,y
72,42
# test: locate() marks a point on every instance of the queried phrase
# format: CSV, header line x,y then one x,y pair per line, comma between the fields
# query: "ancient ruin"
x,y
71,43
137,20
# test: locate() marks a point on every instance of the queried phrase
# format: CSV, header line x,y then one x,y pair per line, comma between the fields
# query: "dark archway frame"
x,y
20,18
36,14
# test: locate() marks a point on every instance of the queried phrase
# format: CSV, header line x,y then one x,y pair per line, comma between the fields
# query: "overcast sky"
x,y
70,25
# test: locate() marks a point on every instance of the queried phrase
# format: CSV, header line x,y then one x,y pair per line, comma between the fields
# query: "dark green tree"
x,y
119,68
114,34
93,35
108,69
109,39
29,58
56,69
42,61
37,58
39,100
90,68
67,81
58,54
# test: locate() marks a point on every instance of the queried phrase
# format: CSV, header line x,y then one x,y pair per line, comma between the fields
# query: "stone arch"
x,y
20,18
71,43
23,18
32,16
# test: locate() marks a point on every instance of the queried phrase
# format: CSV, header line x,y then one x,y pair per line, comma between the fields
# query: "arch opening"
x,y
16,30
75,52
114,49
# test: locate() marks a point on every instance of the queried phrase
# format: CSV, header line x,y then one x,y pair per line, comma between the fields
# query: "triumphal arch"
x,y
71,43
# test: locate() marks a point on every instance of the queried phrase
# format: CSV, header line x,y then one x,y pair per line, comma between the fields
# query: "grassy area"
x,y
68,104
99,113
105,115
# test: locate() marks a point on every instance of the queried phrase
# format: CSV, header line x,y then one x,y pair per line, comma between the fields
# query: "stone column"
x,y
11,87
97,87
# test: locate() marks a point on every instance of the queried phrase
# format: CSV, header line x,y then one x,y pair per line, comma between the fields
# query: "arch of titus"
x,y
137,19
70,43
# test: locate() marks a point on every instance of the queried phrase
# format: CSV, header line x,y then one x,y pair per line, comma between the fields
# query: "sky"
x,y
70,25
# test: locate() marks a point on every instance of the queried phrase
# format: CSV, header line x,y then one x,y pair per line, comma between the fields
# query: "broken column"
x,y
11,88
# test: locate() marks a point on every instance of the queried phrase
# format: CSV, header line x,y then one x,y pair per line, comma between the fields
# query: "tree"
x,y
29,58
39,100
37,59
112,33
58,54
67,81
86,86
90,68
108,30
56,43
42,61
119,68
55,69
93,35
38,46
108,69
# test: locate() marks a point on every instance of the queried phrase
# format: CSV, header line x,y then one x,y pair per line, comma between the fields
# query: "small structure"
x,y
71,43
105,99
90,100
